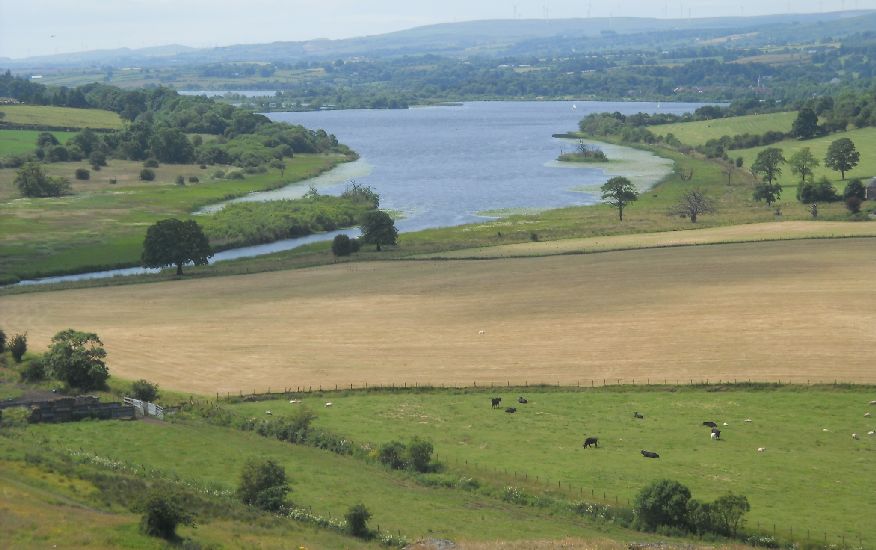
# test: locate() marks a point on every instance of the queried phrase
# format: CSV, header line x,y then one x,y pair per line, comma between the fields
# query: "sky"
x,y
44,27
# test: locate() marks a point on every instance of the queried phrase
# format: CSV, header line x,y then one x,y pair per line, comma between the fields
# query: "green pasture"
x,y
813,476
327,483
863,138
19,142
701,131
66,117
103,224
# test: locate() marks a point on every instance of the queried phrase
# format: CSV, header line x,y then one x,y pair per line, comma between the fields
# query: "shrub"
x,y
97,159
263,484
855,189
853,204
2,341
144,390
662,502
194,179
82,174
33,371
727,512
147,174
236,175
32,181
357,520
58,153
162,513
342,245
420,454
113,181
18,346
392,455
150,163
180,180
821,191
218,174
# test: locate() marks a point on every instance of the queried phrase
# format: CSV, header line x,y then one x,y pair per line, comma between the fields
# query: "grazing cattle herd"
x,y
715,433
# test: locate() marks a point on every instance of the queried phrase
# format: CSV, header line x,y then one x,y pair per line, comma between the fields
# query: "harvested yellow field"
x,y
790,311
712,235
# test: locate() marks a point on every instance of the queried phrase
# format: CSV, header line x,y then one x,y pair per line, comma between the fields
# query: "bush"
x,y
853,204
162,513
263,484
392,454
2,341
420,454
147,174
727,512
113,181
194,179
97,159
342,245
144,390
236,175
180,180
150,163
822,191
357,520
18,346
82,174
664,503
218,174
33,371
855,189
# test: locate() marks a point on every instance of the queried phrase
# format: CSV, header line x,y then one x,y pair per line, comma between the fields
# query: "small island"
x,y
584,153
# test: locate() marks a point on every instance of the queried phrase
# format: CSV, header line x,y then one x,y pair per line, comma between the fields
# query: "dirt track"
x,y
800,310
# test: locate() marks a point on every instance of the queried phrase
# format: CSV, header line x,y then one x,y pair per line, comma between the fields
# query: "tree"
x,y
342,245
767,192
768,163
32,181
805,125
18,346
97,159
175,242
357,520
842,156
46,139
853,204
619,192
802,163
147,174
378,228
82,174
162,513
727,513
820,191
144,390
171,145
420,454
692,204
392,454
77,358
263,484
662,502
855,189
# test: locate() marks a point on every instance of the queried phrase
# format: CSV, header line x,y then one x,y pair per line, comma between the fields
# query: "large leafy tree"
x,y
806,124
662,502
77,358
842,156
263,484
692,204
768,163
803,163
378,228
175,242
619,192
769,192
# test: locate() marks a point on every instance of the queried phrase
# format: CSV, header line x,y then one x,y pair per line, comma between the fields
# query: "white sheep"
x,y
761,449
873,402
269,413
726,424
824,430
867,415
747,420
294,401
482,332
871,432
329,404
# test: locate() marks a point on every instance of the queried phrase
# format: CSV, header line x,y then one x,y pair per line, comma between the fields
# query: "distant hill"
x,y
492,38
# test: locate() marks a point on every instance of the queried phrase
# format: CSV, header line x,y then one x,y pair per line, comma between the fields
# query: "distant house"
x,y
870,192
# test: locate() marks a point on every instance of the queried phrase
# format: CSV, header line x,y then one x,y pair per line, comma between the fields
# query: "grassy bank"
x,y
19,142
701,131
42,116
102,224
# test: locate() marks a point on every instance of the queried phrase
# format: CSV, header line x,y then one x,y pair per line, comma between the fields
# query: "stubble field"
x,y
789,311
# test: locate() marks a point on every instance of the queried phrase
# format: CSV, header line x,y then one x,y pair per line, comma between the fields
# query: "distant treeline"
x,y
160,122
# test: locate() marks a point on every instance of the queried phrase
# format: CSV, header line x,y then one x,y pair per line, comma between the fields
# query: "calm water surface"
x,y
444,166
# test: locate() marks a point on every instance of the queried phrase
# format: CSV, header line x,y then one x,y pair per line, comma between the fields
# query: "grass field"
x,y
103,224
66,117
18,142
808,479
758,310
714,235
699,132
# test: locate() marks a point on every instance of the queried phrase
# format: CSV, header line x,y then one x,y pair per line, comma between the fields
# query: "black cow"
x,y
638,415
710,424
522,400
649,454
496,401
511,410
716,433
591,441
